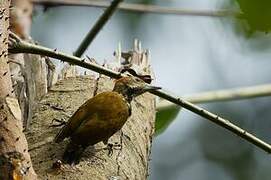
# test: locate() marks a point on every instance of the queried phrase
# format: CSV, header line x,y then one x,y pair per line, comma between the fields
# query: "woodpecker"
x,y
100,117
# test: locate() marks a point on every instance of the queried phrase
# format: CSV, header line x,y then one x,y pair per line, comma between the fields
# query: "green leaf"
x,y
164,116
257,13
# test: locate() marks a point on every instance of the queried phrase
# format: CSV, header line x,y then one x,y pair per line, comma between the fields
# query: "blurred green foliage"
x,y
257,14
164,117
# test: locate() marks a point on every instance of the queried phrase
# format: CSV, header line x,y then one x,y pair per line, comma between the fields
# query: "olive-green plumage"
x,y
97,119
100,117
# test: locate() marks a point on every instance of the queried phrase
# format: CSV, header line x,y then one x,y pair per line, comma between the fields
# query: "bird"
x,y
100,117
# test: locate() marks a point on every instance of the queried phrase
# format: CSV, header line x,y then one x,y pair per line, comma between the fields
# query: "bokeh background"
x,y
189,55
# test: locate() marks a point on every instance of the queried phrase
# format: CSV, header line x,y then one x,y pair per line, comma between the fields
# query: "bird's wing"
x,y
95,106
74,122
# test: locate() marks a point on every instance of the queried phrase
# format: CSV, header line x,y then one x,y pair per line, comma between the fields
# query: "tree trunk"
x,y
129,161
15,161
32,74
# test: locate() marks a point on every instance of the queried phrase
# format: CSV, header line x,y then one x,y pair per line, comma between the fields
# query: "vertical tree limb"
x,y
29,72
14,157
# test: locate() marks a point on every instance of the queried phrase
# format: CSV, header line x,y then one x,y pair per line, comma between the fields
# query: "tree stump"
x,y
129,161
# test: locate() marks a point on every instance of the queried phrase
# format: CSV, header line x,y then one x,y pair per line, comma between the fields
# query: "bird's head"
x,y
132,86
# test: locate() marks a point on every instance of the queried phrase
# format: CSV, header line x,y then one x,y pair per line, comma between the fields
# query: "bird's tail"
x,y
73,153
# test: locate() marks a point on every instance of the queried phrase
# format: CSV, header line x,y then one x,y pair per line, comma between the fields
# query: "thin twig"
x,y
144,8
224,95
25,47
97,28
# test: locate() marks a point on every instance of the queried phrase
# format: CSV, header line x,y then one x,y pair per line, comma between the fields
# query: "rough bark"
x,y
32,74
14,157
130,161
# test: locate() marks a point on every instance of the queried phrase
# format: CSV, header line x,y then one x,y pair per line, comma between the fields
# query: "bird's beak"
x,y
148,88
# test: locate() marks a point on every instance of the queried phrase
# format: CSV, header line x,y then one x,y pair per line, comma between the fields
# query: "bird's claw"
x,y
60,122
110,147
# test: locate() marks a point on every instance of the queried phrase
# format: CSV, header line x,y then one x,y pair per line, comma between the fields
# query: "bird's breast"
x,y
109,113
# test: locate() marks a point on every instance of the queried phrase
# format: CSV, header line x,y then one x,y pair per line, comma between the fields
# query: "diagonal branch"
x,y
19,46
144,8
215,119
224,95
96,28
16,45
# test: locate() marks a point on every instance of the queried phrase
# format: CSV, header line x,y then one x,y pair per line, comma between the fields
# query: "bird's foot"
x,y
110,147
59,122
